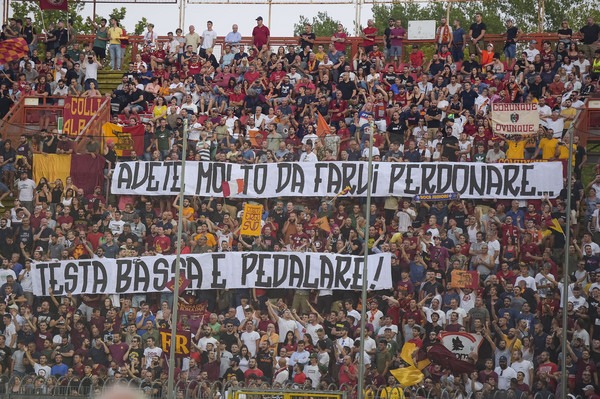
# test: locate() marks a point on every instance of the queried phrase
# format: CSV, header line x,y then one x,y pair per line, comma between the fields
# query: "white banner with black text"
x,y
469,180
214,270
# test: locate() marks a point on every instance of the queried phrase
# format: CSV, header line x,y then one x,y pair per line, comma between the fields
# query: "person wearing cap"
x,y
234,370
505,373
532,51
260,34
589,391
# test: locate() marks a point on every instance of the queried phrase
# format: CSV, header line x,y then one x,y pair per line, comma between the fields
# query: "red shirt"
x,y
162,244
261,35
416,59
94,239
345,376
340,106
338,45
194,67
277,76
369,30
160,54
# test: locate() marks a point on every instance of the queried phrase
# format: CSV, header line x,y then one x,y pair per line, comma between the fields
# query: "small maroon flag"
x,y
183,283
54,5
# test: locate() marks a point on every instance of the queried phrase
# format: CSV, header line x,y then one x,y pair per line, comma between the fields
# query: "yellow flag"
x,y
51,166
556,226
323,223
251,220
408,376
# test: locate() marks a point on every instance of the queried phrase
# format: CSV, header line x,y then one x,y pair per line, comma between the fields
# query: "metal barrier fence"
x,y
30,387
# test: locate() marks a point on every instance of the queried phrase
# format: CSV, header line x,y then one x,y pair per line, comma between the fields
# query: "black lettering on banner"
x,y
41,268
396,173
203,181
280,269
334,179
348,172
248,265
246,169
356,276
53,275
260,178
297,179
525,181
307,268
71,273
260,272
194,272
476,184
141,276
363,179
318,179
494,178
176,176
125,177
139,177
167,175
342,265
511,174
445,175
219,175
460,175
85,279
375,177
377,274
296,271
123,282
326,272
100,276
409,180
283,169
151,175
161,272
427,172
216,258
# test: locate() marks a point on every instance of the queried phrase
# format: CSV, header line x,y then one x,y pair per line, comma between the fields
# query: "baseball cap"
x,y
588,387
502,359
533,41
235,359
313,356
259,18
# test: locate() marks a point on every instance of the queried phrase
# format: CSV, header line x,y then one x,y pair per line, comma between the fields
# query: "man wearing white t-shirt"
x,y
209,37
522,365
285,323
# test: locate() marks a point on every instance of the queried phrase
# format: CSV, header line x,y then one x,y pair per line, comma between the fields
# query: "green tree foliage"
x,y
322,25
140,26
41,19
495,13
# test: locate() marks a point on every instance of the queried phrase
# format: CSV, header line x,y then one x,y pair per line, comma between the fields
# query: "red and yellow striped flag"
x,y
12,49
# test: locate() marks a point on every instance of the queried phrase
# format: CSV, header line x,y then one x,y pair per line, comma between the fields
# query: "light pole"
x,y
565,293
171,382
363,309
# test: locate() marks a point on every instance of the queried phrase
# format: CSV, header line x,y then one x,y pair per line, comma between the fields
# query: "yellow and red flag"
x,y
124,138
12,49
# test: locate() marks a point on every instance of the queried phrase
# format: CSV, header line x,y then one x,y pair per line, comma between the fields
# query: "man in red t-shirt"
x,y
162,243
339,39
369,34
260,34
547,370
347,372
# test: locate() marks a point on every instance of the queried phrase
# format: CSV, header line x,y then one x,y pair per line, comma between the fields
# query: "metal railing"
x,y
31,386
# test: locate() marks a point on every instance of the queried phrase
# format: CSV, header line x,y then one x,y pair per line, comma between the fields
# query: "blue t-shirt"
x,y
59,369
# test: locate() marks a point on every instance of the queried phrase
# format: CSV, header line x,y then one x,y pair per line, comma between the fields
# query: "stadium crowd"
x,y
259,104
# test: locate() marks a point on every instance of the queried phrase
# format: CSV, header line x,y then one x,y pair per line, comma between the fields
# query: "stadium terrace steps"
x,y
108,80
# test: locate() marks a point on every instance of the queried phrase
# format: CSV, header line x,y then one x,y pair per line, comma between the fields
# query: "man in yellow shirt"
x,y
114,39
563,149
568,113
516,147
547,146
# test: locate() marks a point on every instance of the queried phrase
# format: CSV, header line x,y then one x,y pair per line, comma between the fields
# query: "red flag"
x,y
441,355
183,283
182,345
322,126
54,5
12,49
